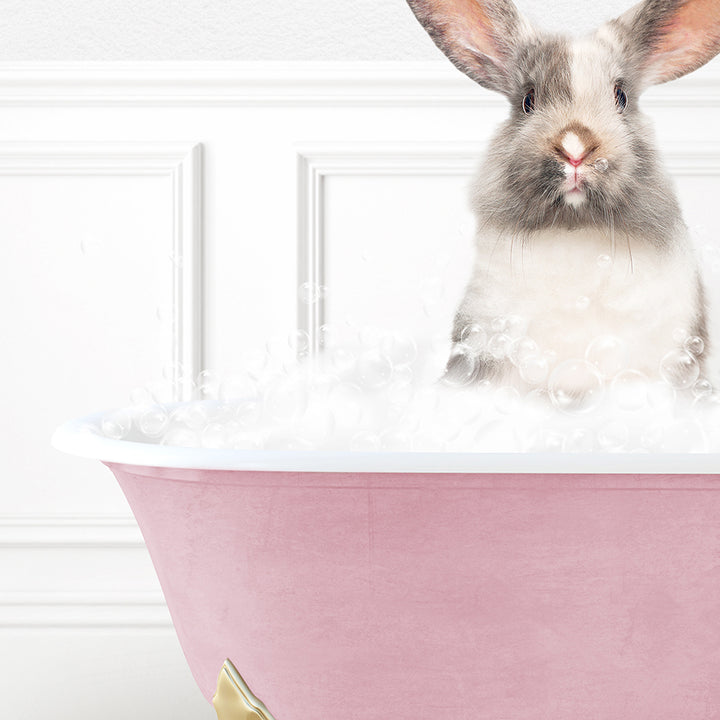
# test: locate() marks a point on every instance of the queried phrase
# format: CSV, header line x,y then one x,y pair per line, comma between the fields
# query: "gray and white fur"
x,y
546,210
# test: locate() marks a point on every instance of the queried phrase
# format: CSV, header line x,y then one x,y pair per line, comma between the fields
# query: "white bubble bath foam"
x,y
370,391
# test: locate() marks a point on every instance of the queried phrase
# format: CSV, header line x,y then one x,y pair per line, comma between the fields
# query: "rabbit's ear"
x,y
672,37
479,36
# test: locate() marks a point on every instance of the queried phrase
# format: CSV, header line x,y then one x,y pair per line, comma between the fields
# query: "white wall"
x,y
156,213
243,29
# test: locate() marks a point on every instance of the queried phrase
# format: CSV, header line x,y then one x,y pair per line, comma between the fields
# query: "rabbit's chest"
x,y
570,288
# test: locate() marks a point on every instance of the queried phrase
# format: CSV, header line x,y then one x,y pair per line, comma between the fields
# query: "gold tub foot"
x,y
233,699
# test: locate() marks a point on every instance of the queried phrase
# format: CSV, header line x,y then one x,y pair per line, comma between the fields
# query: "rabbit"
x,y
579,232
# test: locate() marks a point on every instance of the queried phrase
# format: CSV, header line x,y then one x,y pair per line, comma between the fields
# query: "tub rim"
x,y
77,437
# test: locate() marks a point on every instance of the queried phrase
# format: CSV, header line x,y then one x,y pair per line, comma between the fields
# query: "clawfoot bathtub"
x,y
417,586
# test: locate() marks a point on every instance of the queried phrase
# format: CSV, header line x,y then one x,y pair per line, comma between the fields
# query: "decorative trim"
x,y
58,610
182,163
53,609
67,532
318,162
301,84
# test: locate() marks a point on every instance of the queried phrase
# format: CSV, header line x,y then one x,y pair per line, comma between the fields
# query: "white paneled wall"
x,y
152,215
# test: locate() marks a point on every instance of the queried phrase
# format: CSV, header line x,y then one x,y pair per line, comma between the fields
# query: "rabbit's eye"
x,y
621,99
528,104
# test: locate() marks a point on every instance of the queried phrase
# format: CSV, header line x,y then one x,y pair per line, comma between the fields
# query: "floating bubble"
x,y
694,345
214,435
613,435
575,386
499,345
180,437
374,369
342,360
534,369
400,349
522,348
607,353
498,324
461,366
153,420
474,337
208,384
311,292
601,165
580,440
117,424
299,342
679,369
702,389
604,261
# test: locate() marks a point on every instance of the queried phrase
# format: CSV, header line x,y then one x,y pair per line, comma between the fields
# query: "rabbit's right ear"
x,y
479,36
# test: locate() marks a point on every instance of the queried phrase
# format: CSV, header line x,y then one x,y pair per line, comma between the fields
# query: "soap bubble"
x,y
153,420
299,342
694,345
575,386
546,440
680,335
180,437
580,440
601,165
374,369
679,369
498,324
365,441
342,360
474,337
462,366
613,435
248,413
208,384
608,353
399,349
499,345
534,369
582,303
117,424
604,261
311,292
522,348
702,389
214,435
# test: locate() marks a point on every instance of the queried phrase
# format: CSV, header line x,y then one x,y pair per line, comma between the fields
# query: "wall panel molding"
x,y
301,84
182,164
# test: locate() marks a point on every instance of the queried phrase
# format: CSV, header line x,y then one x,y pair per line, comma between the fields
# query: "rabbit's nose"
x,y
575,144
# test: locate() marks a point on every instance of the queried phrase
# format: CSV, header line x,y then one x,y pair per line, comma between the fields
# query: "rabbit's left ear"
x,y
671,37
479,36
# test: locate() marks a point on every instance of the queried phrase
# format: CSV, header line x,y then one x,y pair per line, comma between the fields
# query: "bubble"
x,y
248,413
684,436
396,441
604,261
208,384
461,366
311,292
498,324
582,303
575,386
534,369
347,406
299,342
630,390
214,435
679,369
374,369
342,360
499,345
193,415
580,440
153,420
400,349
474,337
694,345
613,435
608,353
702,389
601,165
117,424
515,326
522,348
546,440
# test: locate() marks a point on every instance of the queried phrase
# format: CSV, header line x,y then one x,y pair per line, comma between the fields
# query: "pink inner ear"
x,y
689,41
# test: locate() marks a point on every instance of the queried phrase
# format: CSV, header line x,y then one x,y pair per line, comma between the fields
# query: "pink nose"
x,y
574,161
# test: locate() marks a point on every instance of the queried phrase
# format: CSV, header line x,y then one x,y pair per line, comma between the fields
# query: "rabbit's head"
x,y
576,150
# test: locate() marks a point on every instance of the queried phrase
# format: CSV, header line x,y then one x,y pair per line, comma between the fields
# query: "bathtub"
x,y
424,585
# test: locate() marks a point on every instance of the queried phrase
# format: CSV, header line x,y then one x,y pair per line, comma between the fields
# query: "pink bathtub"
x,y
419,586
